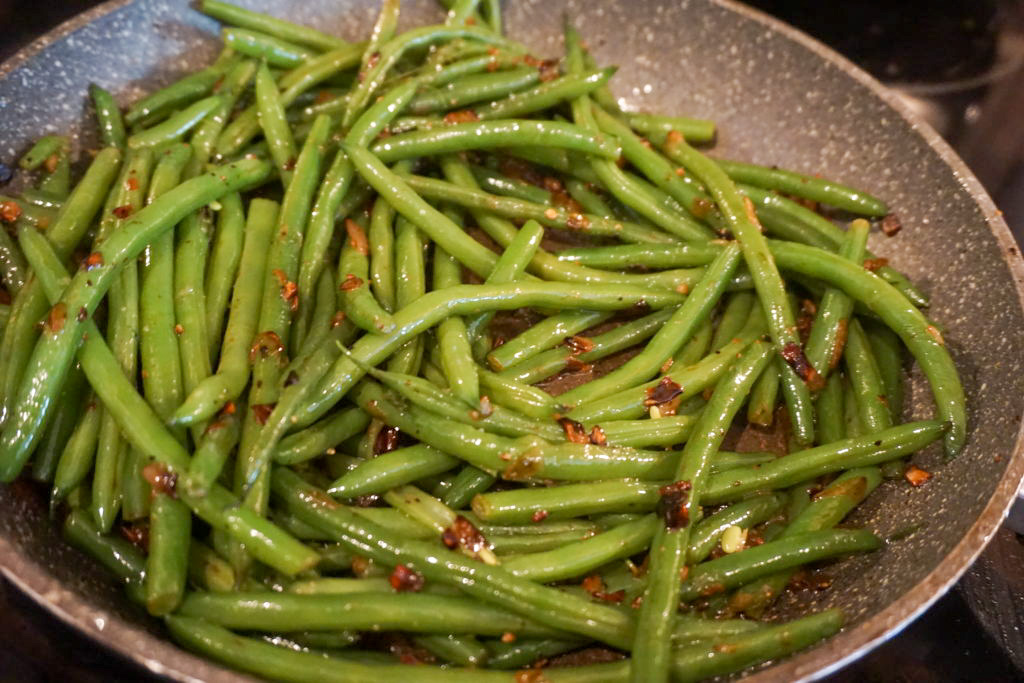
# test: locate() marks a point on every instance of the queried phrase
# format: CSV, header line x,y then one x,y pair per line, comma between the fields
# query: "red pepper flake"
x,y
83,315
350,283
133,184
57,317
136,534
674,504
161,479
323,96
874,264
386,440
9,211
574,364
615,596
574,431
123,211
290,293
701,207
463,534
372,61
934,332
793,354
578,344
891,224
357,237
262,411
539,516
577,221
593,583
724,648
522,468
289,165
405,580
229,408
264,345
337,319
93,260
667,365
597,436
916,476
461,116
179,329
51,163
663,392
508,637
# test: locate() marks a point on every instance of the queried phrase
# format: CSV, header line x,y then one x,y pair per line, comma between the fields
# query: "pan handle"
x,y
1015,519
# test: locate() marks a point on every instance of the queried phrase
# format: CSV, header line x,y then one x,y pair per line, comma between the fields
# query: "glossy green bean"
x,y
60,429
545,95
278,28
888,351
643,255
916,332
354,295
315,440
170,533
275,51
13,269
392,469
79,452
474,88
410,285
176,125
108,117
542,336
865,380
666,341
179,94
212,451
567,500
190,257
225,257
657,127
213,392
745,514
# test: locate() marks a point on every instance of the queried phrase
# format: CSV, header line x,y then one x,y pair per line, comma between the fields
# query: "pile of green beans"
x,y
436,340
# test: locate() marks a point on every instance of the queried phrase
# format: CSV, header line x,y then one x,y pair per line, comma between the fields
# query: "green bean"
x,y
158,345
871,449
521,653
452,339
474,88
277,28
52,356
136,491
761,408
496,183
829,330
392,51
176,125
746,514
851,412
618,338
518,545
225,256
741,220
657,169
410,285
546,94
491,584
675,332
43,148
415,612
865,380
567,500
805,186
313,441
888,352
462,650
733,318
669,547
829,411
170,531
12,264
275,126
510,267
656,127
208,571
277,52
213,392
542,336
244,127
388,470
828,508
643,255
732,570
576,559
692,380
469,482
665,431
335,586
190,256
76,459
30,304
381,237
180,93
920,336
116,554
489,134
354,295
65,419
212,451
108,116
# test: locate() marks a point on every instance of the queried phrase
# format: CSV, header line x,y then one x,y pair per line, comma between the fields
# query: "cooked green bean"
x,y
474,88
65,419
657,127
276,51
545,95
108,116
176,125
865,379
542,336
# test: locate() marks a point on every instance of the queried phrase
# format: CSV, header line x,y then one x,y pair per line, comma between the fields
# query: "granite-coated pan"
x,y
779,97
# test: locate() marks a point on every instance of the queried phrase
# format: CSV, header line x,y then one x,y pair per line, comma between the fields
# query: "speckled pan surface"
x,y
779,98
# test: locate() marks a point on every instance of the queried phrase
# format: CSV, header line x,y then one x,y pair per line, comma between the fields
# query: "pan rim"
x,y
161,657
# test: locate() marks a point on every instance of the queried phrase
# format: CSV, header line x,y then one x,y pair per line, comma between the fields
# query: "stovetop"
x,y
973,633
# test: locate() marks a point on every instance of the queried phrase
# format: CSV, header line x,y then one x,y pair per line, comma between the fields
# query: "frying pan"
x,y
779,98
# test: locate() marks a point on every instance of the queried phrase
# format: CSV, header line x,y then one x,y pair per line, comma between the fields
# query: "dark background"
x,y
949,58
